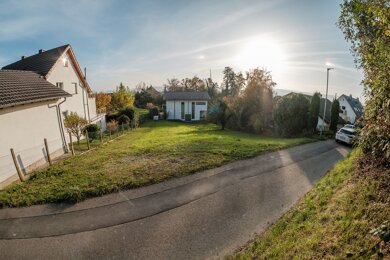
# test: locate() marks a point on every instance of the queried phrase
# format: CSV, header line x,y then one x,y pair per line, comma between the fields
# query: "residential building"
x,y
36,93
350,108
181,103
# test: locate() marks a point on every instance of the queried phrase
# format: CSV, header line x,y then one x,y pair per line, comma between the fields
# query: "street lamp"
x,y
326,97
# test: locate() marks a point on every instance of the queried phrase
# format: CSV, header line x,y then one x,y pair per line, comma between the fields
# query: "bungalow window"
x,y
182,110
75,88
60,85
200,103
193,110
65,62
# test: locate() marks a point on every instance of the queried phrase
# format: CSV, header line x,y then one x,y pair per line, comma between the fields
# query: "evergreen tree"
x,y
314,111
334,116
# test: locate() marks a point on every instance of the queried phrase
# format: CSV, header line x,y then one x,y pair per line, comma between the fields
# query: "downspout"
x,y
59,118
86,94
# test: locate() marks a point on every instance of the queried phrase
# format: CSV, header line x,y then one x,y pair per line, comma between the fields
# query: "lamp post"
x,y
326,98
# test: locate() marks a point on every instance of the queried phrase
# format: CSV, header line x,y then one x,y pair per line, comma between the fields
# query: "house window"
x,y
182,110
193,110
65,61
75,88
200,103
343,107
60,85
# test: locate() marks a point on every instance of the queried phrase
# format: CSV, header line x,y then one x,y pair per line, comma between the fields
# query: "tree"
x,y
212,88
334,117
122,97
220,113
366,25
228,82
314,111
75,124
257,99
239,84
290,115
143,97
103,101
173,85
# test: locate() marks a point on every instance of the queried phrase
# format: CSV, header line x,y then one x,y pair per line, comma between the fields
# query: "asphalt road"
x,y
205,215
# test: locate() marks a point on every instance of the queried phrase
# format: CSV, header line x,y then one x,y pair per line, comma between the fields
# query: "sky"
x,y
151,41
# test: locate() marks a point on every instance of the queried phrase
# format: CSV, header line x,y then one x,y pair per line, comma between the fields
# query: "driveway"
x,y
204,215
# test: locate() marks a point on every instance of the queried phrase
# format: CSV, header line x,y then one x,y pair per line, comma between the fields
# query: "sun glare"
x,y
262,52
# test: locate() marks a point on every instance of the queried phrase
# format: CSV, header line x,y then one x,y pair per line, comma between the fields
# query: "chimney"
x,y
85,73
23,57
41,50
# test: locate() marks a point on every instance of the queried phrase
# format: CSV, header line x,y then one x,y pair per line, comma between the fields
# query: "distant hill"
x,y
282,92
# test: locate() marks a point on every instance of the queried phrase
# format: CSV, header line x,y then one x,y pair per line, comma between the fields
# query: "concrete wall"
x,y
173,109
24,128
348,114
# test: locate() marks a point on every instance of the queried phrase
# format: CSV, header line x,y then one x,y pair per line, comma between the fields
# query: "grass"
x,y
157,151
332,221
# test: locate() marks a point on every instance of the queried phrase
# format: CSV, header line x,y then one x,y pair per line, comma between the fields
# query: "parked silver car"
x,y
346,135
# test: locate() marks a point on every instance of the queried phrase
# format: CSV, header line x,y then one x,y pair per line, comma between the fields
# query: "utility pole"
x,y
326,98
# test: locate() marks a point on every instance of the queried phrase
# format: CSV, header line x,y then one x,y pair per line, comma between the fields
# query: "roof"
x,y
186,95
41,62
355,105
22,87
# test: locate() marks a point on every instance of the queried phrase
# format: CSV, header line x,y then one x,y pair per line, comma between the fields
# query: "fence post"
x,y
117,130
101,137
110,135
71,143
86,137
16,165
122,129
47,151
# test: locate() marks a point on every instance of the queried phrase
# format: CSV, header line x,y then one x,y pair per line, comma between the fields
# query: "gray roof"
x,y
22,87
355,104
40,63
186,95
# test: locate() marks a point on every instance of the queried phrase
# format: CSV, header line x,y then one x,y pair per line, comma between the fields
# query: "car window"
x,y
347,132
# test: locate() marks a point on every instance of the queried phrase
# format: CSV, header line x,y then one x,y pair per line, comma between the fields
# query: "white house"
x,y
181,103
350,108
36,93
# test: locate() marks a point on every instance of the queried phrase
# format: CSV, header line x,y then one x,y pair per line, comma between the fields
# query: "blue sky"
x,y
150,41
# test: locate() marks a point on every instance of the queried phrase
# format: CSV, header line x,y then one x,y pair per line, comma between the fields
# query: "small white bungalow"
x,y
186,106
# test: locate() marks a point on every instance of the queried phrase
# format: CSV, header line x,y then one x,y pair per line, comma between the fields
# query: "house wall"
x,y
24,128
348,114
173,108
319,124
80,102
69,77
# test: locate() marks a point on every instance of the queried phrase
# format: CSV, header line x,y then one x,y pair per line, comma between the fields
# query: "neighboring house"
x,y
327,114
179,104
350,108
321,112
40,113
29,112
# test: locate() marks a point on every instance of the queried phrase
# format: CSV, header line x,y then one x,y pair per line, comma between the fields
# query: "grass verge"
x,y
151,154
332,221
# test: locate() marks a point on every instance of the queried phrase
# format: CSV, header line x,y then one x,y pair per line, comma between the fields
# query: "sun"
x,y
262,52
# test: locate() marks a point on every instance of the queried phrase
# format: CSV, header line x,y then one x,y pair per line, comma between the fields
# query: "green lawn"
x,y
151,154
333,221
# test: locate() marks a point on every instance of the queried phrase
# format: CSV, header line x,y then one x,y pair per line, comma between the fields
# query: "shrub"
x,y
153,112
128,111
93,131
74,124
112,125
123,119
290,115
